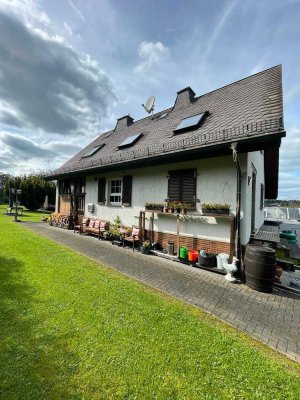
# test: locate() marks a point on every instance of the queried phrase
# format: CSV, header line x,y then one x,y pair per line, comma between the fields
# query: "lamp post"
x,y
16,192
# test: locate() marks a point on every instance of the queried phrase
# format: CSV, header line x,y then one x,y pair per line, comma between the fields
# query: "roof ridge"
x,y
240,80
198,97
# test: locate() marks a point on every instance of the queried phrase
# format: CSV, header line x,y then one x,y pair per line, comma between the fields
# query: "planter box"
x,y
158,209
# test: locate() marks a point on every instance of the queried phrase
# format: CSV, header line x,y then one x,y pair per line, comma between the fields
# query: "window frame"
x,y
110,193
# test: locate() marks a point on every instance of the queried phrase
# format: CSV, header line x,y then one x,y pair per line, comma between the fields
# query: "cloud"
x,y
46,85
19,146
151,55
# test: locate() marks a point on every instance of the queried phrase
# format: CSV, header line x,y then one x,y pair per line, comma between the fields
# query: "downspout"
x,y
237,247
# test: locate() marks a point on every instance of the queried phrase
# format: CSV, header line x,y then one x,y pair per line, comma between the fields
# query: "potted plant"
x,y
114,229
171,206
215,208
184,207
145,247
166,207
177,206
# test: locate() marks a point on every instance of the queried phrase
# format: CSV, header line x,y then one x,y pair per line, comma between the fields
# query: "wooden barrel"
x,y
260,269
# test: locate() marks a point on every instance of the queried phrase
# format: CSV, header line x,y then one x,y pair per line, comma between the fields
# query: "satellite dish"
x,y
149,106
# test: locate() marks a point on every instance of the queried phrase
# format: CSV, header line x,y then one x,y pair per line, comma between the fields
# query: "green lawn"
x,y
71,328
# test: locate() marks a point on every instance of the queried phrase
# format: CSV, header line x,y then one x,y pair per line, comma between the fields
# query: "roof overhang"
x,y
245,145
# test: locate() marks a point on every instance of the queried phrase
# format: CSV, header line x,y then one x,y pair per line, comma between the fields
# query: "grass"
x,y
73,329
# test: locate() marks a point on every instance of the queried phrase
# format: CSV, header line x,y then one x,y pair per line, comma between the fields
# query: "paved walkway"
x,y
271,318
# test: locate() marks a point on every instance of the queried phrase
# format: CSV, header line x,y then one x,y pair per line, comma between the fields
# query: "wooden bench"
x,y
97,227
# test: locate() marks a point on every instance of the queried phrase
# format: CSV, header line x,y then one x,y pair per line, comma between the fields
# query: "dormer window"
x,y
93,150
190,123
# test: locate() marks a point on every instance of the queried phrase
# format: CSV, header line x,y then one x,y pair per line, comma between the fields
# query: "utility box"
x,y
90,208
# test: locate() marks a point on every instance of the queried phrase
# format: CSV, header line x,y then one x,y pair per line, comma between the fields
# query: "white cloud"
x,y
151,55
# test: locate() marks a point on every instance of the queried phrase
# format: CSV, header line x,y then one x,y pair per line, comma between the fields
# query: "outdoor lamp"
x,y
16,192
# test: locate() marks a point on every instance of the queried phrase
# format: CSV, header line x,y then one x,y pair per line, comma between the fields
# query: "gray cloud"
x,y
65,148
46,85
22,147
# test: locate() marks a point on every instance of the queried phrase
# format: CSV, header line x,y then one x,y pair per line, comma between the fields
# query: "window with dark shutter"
x,y
127,191
182,186
101,191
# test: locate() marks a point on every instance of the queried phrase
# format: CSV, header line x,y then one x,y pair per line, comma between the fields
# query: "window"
x,y
115,192
93,150
120,191
182,186
163,115
190,123
130,140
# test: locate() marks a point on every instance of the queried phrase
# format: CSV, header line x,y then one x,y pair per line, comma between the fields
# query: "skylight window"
x,y
93,150
163,115
130,140
190,123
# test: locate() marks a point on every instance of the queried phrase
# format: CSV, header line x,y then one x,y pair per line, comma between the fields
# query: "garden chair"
x,y
134,237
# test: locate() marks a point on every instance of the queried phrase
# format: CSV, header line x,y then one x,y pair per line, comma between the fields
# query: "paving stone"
x,y
273,318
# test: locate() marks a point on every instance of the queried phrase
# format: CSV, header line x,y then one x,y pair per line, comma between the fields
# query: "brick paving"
x,y
273,318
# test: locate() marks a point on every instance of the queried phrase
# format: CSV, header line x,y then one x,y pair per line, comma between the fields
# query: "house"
x,y
222,146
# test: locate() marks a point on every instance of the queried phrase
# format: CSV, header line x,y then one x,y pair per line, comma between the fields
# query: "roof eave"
x,y
247,144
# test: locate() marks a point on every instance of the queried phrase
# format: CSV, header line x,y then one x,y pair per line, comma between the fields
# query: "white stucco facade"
x,y
216,182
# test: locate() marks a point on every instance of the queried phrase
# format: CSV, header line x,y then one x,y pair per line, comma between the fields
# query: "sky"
x,y
70,68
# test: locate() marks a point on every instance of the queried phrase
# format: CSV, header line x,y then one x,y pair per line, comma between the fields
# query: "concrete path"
x,y
271,318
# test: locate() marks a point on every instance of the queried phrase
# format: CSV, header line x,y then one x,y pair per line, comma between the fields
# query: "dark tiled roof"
x,y
251,106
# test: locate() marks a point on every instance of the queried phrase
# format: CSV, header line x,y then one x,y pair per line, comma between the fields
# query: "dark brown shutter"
x,y
182,186
262,192
127,190
101,191
174,184
188,187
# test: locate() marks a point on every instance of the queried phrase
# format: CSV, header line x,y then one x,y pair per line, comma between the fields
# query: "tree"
x,y
3,179
34,190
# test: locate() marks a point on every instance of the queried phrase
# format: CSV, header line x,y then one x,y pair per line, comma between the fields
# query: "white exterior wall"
x,y
256,160
216,182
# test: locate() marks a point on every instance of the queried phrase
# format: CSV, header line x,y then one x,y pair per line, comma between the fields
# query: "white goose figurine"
x,y
231,268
